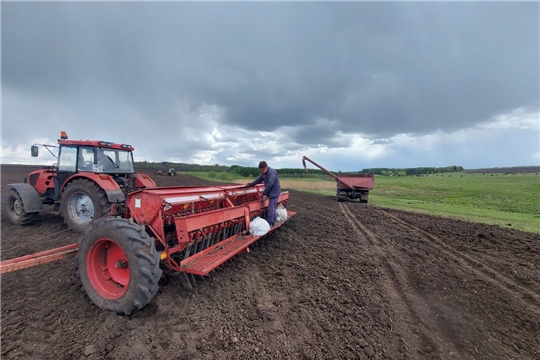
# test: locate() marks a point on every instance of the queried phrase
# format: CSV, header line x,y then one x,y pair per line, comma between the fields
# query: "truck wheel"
x,y
337,195
364,198
82,201
118,265
15,210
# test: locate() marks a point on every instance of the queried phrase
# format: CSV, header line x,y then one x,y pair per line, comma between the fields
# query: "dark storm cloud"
x,y
381,142
378,69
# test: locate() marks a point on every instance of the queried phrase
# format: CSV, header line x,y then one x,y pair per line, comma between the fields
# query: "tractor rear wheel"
x,y
82,201
15,210
118,265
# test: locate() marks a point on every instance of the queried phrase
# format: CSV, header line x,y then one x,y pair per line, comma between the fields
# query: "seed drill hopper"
x,y
348,186
189,230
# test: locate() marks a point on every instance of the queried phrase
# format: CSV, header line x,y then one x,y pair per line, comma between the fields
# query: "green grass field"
x,y
506,200
511,201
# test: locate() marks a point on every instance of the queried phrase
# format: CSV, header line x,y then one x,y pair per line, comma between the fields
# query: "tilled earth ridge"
x,y
338,280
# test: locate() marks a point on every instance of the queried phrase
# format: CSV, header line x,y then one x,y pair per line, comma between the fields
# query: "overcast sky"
x,y
351,85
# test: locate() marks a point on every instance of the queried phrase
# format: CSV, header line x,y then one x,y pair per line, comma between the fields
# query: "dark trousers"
x,y
272,210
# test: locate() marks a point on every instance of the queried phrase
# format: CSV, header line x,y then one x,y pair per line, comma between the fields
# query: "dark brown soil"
x,y
339,280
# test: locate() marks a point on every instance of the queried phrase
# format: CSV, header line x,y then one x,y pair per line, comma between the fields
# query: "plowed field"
x,y
337,281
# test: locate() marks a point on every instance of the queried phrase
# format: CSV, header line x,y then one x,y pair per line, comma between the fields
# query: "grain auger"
x,y
348,185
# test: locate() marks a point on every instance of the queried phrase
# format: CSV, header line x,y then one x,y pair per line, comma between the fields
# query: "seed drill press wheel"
x,y
119,265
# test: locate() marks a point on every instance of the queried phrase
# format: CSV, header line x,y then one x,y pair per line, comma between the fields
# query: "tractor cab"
x,y
91,156
101,166
83,158
88,177
102,158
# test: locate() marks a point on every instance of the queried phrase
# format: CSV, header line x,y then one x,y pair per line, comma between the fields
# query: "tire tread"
x,y
143,248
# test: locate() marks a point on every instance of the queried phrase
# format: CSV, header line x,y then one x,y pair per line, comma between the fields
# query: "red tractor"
x,y
134,229
88,178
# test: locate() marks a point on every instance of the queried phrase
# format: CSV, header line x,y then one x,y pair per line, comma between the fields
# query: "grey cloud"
x,y
319,133
382,142
376,69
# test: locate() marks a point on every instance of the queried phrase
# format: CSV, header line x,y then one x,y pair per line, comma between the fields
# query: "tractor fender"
x,y
143,181
105,182
29,195
115,196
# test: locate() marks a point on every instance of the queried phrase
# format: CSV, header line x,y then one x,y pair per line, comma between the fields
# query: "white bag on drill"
x,y
258,227
281,213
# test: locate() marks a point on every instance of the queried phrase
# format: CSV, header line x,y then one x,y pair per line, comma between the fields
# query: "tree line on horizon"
x,y
247,171
413,171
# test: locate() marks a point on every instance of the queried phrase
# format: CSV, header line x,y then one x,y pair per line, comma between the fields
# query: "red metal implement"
x,y
43,257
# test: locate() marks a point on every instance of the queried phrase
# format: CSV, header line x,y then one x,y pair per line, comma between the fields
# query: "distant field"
x,y
507,200
511,201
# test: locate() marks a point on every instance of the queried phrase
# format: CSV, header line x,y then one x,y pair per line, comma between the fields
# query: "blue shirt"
x,y
272,188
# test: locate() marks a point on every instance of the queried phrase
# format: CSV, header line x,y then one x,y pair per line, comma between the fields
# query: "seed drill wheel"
x,y
15,210
118,265
82,201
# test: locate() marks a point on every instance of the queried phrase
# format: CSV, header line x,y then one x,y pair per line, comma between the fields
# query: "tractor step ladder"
x,y
205,261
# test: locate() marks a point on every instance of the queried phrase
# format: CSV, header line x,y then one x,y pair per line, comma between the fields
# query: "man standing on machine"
x,y
272,188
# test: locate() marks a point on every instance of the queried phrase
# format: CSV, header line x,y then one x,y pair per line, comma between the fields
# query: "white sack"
x,y
258,227
281,213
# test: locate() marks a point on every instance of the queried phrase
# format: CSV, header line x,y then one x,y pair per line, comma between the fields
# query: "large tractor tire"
x,y
82,201
118,265
15,210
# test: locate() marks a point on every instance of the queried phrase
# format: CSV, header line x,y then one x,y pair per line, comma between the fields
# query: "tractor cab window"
x,y
67,158
85,161
125,161
115,161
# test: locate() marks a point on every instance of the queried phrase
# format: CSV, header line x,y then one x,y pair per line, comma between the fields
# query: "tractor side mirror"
x,y
34,150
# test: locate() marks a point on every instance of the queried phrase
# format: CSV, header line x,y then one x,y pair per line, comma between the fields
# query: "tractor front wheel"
x,y
118,265
15,210
82,201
